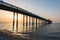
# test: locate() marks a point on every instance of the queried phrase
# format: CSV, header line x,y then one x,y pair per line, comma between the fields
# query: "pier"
x,y
29,16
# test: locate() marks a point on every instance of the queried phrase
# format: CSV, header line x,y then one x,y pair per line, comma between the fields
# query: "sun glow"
x,y
7,16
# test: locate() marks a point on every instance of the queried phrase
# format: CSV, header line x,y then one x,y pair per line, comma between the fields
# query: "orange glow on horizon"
x,y
6,16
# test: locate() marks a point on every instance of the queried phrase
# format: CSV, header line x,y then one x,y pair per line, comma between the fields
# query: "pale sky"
x,y
49,9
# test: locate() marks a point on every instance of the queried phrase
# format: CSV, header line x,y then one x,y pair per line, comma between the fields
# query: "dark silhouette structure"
x,y
17,10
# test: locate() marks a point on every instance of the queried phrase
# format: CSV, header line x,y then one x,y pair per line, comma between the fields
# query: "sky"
x,y
49,9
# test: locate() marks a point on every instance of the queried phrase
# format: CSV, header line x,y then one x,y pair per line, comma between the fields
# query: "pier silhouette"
x,y
31,18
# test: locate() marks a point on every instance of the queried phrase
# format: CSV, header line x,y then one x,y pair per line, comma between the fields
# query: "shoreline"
x,y
7,35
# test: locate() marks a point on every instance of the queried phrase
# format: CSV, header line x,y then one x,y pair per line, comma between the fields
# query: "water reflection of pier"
x,y
30,20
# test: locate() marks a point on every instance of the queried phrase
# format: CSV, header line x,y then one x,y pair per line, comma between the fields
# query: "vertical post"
x,y
13,20
32,23
23,22
23,19
29,23
17,23
26,22
29,20
39,21
36,24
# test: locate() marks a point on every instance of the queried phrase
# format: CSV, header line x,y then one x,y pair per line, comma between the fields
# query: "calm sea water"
x,y
43,32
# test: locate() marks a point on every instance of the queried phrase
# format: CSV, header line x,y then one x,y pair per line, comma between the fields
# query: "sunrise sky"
x,y
49,9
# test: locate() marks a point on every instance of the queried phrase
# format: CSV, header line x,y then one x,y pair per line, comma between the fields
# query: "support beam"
x,y
32,23
26,23
23,22
29,23
13,20
39,21
17,23
36,23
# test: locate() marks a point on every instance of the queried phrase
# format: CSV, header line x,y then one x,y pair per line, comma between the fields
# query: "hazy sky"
x,y
49,9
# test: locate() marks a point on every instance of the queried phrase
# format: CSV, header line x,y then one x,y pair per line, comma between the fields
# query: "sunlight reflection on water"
x,y
44,32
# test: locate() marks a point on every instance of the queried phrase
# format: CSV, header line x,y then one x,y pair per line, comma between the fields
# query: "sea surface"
x,y
42,32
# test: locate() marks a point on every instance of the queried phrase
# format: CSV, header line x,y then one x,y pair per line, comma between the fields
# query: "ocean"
x,y
43,32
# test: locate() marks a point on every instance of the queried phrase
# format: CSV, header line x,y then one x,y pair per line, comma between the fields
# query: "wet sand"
x,y
7,35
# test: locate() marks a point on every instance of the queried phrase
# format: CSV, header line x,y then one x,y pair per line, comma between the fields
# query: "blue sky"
x,y
49,9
